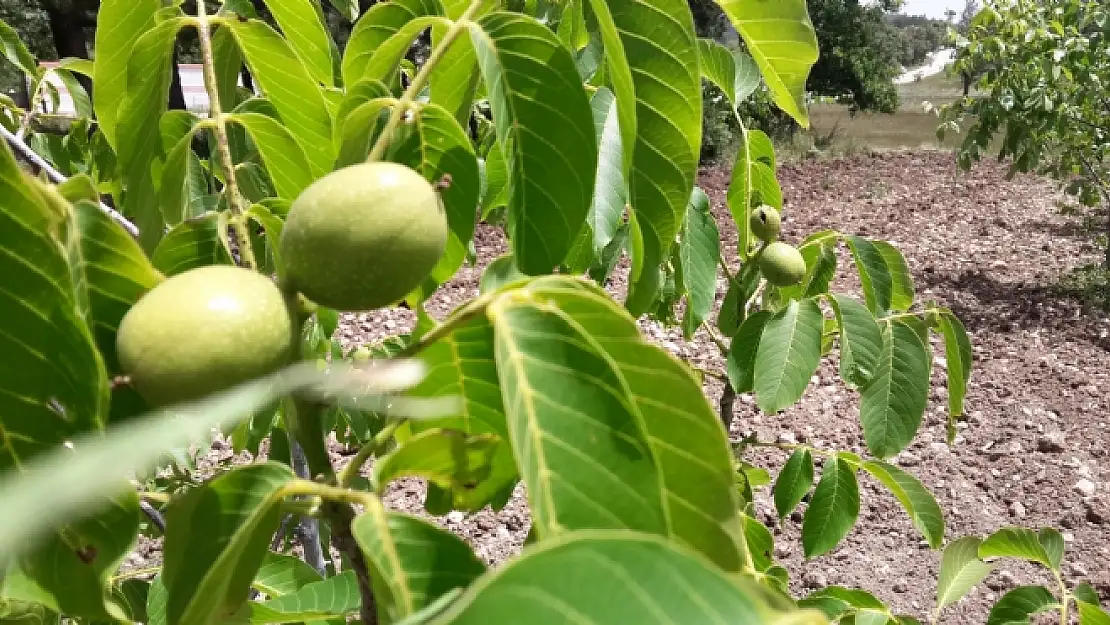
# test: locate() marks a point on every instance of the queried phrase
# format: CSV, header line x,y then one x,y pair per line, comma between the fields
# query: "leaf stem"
x,y
474,308
242,235
350,472
420,80
716,338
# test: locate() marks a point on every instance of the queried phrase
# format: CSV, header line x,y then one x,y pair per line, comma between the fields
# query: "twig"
x,y
727,405
58,178
242,235
308,530
421,79
350,472
153,514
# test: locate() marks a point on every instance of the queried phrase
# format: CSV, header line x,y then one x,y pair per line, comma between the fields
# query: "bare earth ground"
x,y
1033,451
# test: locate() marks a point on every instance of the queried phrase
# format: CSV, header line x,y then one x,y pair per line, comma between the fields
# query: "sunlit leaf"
x,y
285,160
412,562
794,482
52,380
194,243
699,251
121,22
893,402
918,502
1018,606
216,538
646,580
293,92
788,356
861,340
1015,542
546,130
302,24
960,570
781,38
833,510
733,71
743,351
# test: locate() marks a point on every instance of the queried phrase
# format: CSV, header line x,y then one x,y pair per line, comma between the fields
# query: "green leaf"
x,y
833,510
753,184
646,580
1053,543
120,24
52,380
919,503
462,363
82,104
733,71
448,458
546,130
794,482
652,54
228,60
1015,542
156,602
1020,604
116,272
293,92
496,193
455,80
178,176
958,358
874,274
743,351
360,130
66,483
412,562
761,544
139,114
194,243
699,251
323,600
439,147
610,192
845,600
1086,594
960,570
285,160
893,403
381,22
302,24
73,567
16,52
781,38
499,273
861,340
819,252
216,538
788,356
609,430
1091,614
902,293
282,574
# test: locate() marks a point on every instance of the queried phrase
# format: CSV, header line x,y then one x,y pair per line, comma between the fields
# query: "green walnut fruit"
x,y
766,223
363,237
782,264
204,331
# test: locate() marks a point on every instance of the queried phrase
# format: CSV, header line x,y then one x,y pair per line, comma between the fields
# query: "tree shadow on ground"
x,y
986,304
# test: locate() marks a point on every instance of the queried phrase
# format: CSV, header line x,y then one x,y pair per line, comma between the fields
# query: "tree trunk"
x,y
177,93
67,26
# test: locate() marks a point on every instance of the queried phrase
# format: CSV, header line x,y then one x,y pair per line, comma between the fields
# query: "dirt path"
x,y
1034,451
1038,401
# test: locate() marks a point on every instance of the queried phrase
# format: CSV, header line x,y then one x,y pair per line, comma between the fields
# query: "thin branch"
x,y
58,178
154,515
421,79
350,472
242,235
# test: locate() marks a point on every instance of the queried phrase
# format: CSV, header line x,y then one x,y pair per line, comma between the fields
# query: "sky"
x,y
932,8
